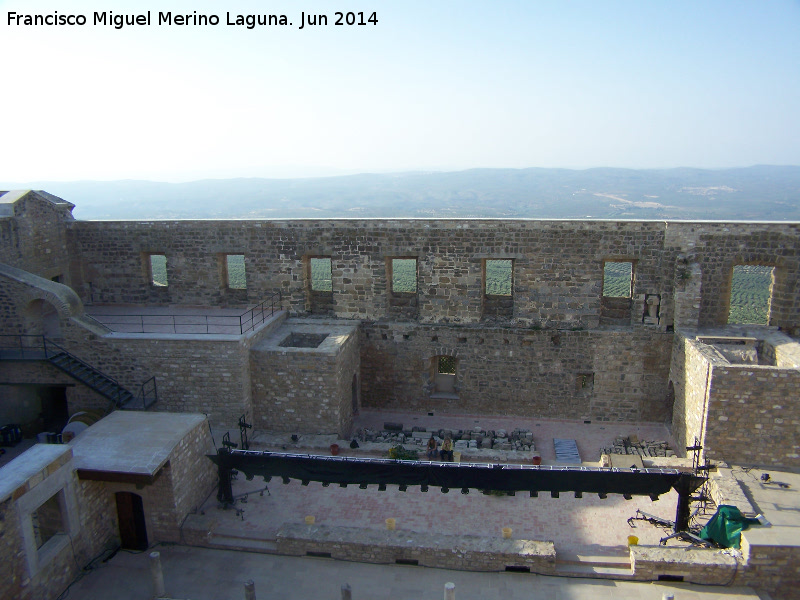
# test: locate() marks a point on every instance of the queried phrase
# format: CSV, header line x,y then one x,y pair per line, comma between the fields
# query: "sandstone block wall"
x,y
775,569
754,416
741,413
524,372
305,390
461,552
194,476
35,239
57,567
558,265
695,565
689,374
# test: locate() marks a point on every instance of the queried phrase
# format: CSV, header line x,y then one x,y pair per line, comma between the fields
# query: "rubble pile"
x,y
632,445
476,438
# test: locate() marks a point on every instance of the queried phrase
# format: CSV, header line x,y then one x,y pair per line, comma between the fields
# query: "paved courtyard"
x,y
207,574
587,526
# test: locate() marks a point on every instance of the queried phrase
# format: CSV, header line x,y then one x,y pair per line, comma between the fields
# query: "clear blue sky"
x,y
438,85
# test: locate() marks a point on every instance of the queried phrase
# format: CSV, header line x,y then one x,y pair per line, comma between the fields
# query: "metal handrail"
x,y
261,309
247,321
46,349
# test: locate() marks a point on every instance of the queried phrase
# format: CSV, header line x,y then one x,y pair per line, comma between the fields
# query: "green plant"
x,y
400,453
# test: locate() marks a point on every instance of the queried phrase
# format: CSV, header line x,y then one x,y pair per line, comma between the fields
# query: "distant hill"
x,y
753,193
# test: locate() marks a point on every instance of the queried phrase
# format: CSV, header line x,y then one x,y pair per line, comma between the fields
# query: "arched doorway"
x,y
132,527
41,318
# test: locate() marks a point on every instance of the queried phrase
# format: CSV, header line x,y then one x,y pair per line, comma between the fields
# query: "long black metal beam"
x,y
367,471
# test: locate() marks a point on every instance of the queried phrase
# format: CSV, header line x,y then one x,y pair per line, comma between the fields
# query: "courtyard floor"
x,y
210,574
579,527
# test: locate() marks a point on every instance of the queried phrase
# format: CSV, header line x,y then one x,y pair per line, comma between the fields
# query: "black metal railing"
x,y
255,316
193,324
39,347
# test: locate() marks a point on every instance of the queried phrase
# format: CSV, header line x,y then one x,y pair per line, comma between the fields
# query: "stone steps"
x,y
230,541
603,567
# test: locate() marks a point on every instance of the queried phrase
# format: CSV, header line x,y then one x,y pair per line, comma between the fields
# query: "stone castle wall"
x,y
689,375
741,413
35,238
587,375
753,416
558,265
305,390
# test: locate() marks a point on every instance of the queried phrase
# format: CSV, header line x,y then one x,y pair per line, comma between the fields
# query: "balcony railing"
x,y
193,324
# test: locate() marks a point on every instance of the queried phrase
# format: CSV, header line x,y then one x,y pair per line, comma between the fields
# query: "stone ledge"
x,y
695,565
461,552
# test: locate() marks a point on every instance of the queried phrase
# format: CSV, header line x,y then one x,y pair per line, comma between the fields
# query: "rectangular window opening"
x,y
617,279
751,294
234,268
158,270
499,277
404,275
321,278
446,365
48,521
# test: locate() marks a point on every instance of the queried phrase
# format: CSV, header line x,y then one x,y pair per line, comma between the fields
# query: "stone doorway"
x,y
445,375
41,318
132,527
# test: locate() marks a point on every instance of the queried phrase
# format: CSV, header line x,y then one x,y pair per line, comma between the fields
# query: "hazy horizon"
x,y
770,193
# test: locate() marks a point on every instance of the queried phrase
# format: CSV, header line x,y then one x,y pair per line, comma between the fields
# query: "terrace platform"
x,y
182,320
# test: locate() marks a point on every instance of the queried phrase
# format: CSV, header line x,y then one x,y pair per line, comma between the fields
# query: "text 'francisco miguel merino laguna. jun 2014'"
x,y
193,19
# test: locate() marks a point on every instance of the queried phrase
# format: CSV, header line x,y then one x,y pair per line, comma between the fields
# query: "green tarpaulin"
x,y
726,526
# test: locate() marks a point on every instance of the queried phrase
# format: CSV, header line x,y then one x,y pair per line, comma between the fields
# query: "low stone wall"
x,y
725,489
461,552
775,569
695,565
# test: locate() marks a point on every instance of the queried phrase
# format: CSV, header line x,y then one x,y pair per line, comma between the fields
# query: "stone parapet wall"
x,y
460,552
724,488
775,569
753,416
695,565
599,375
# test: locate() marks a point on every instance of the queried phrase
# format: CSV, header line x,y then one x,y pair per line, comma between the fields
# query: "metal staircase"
x,y
108,387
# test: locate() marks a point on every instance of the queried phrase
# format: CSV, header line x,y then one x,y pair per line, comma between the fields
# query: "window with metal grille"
x,y
447,365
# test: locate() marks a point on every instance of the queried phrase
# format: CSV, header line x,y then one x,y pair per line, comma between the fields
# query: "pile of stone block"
x,y
632,445
473,439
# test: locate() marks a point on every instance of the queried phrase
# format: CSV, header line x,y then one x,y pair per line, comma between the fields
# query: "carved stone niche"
x,y
652,308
